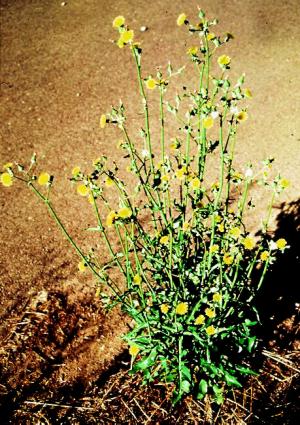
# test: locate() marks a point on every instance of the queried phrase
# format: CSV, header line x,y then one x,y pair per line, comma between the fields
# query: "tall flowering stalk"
x,y
189,267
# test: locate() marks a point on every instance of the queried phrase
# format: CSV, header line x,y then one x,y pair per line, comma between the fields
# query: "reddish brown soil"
x,y
59,72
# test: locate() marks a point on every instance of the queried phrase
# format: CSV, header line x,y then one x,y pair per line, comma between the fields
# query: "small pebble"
x,y
63,3
143,28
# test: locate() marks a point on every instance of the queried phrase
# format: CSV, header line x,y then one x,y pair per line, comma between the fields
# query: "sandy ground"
x,y
59,73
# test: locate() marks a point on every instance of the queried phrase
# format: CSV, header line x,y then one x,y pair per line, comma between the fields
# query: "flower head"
x,y
6,179
7,165
242,116
164,308
192,50
102,121
134,350
182,308
264,255
281,243
208,122
137,279
75,171
199,320
43,179
224,60
235,232
82,266
249,243
118,22
127,36
217,297
181,19
210,330
284,183
248,93
124,212
164,240
181,173
186,226
210,313
210,36
111,218
214,248
150,83
82,190
109,182
227,259
195,183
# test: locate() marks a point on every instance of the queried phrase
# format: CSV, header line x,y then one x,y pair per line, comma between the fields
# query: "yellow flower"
x,y
218,219
125,212
235,232
214,248
249,242
181,19
109,182
8,165
118,21
164,240
150,83
217,297
192,50
174,145
165,178
208,122
111,218
75,171
264,255
281,243
210,313
43,179
186,226
180,173
182,308
127,36
199,320
164,308
120,43
221,227
284,183
224,60
6,179
82,190
248,93
210,330
228,259
102,121
210,36
134,350
195,183
242,116
82,266
137,279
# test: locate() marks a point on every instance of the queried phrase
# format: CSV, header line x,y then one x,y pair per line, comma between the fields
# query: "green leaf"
x,y
251,343
231,380
218,392
186,373
146,362
203,387
185,386
246,371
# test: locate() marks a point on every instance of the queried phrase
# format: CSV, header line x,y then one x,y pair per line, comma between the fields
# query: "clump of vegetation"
x,y
190,269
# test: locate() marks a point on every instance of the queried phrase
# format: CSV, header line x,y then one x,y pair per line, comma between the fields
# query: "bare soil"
x,y
62,357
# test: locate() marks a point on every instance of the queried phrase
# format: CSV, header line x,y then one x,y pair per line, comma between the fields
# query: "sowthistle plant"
x,y
191,270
